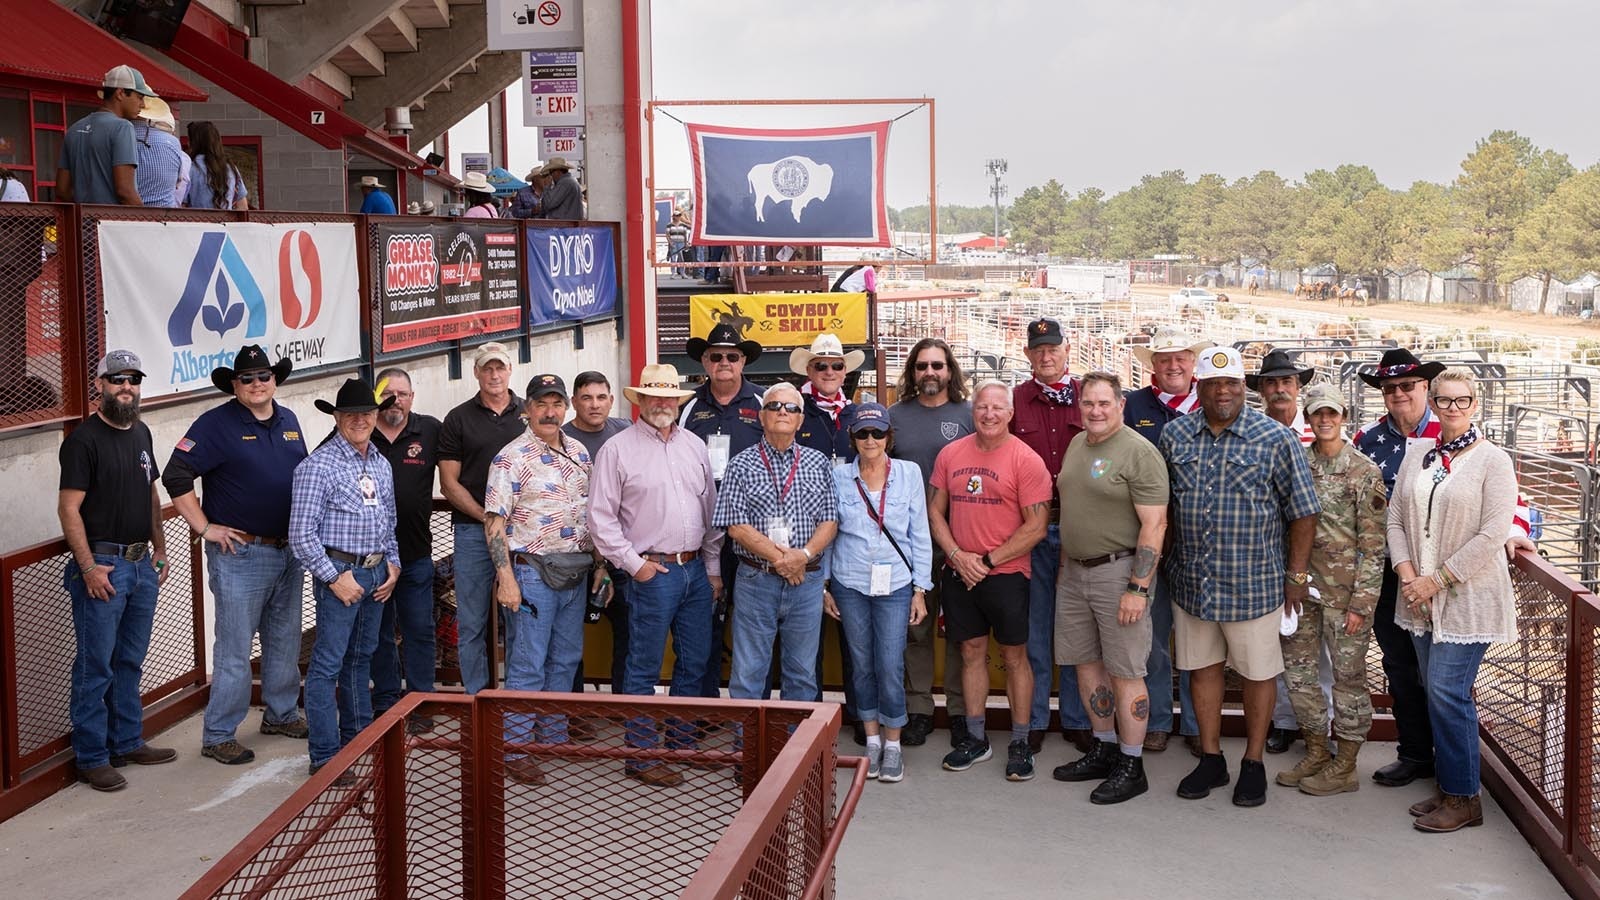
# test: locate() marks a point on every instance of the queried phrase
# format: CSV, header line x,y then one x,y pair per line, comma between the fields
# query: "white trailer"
x,y
1100,282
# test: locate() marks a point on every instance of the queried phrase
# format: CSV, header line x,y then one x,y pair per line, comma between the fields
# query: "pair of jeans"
x,y
338,680
1046,563
1409,702
258,589
411,608
710,684
474,579
676,602
1448,673
876,626
616,612
545,648
1158,675
852,712
113,637
770,607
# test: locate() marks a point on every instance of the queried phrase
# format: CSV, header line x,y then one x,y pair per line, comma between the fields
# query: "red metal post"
x,y
635,195
391,825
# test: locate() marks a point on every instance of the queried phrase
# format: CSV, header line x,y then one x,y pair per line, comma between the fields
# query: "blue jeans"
x,y
771,607
474,576
338,692
411,606
258,589
113,636
1042,639
877,643
546,647
677,601
1448,673
1158,674
716,648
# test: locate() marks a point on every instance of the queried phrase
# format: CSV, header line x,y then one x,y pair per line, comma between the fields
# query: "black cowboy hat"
x,y
1400,363
722,336
355,396
250,358
1277,363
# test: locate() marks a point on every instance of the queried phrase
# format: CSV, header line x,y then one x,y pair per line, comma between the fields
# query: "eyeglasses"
x,y
781,406
870,434
936,365
823,367
724,357
253,377
1453,402
398,395
1400,387
124,379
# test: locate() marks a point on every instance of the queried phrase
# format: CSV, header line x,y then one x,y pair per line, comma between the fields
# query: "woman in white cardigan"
x,y
1447,527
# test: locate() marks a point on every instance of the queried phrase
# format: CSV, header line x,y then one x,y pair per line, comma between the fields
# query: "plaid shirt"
x,y
329,507
1232,495
751,486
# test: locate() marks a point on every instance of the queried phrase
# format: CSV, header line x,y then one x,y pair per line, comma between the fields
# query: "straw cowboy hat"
x,y
657,380
158,113
250,358
477,182
828,346
355,396
1168,339
556,164
1275,364
371,181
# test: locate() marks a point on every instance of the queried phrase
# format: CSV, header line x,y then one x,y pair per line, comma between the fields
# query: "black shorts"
x,y
998,603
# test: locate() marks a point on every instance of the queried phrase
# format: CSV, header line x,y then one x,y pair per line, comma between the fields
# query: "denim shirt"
x,y
859,544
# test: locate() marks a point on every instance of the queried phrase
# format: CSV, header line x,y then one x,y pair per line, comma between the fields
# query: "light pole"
x,y
996,167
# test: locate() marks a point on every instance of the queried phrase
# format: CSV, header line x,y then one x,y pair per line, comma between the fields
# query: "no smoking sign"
x,y
549,13
535,24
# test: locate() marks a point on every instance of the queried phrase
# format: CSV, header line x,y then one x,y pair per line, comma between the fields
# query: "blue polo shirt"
x,y
740,419
825,434
246,466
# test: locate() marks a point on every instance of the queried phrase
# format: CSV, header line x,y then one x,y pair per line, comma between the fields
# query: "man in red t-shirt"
x,y
990,506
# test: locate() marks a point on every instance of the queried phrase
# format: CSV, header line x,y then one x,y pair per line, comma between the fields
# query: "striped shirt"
x,y
343,500
160,166
543,494
763,483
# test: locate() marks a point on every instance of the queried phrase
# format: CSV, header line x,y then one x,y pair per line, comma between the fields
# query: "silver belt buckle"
x,y
371,559
136,552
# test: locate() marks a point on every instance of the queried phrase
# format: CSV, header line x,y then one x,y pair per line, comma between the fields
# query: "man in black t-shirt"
x,y
592,425
111,517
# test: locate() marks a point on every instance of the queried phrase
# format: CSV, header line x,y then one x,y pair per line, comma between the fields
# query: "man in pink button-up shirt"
x,y
650,500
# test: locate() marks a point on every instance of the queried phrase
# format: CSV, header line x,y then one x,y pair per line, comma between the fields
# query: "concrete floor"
x,y
936,834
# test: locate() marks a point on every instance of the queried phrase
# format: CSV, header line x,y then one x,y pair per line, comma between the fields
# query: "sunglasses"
x,y
781,406
124,379
936,365
1453,402
871,434
724,357
253,377
1400,387
823,366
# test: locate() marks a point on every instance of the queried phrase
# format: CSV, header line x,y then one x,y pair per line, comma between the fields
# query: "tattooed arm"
x,y
506,591
1152,529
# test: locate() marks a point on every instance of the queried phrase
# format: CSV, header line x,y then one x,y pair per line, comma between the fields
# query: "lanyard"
x,y
883,497
783,492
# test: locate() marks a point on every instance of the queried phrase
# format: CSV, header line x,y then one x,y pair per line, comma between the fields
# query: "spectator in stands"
x,y
12,190
245,452
162,177
342,529
110,514
858,280
525,202
677,237
592,426
375,201
562,198
215,182
99,153
1446,527
480,197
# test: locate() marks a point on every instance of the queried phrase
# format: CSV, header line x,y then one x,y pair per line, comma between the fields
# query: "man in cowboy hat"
x,y
99,152
677,236
342,529
651,498
162,177
245,451
375,200
525,202
562,198
1170,359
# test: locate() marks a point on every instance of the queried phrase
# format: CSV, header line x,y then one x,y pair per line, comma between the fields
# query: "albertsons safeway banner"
x,y
186,296
572,274
446,282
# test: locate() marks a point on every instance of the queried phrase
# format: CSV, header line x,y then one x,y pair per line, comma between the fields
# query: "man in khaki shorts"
x,y
1244,511
1118,484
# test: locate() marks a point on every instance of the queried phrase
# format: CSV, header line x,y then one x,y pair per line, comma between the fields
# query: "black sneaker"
x,y
1212,772
971,752
915,734
1019,761
1126,782
1252,787
958,731
1092,766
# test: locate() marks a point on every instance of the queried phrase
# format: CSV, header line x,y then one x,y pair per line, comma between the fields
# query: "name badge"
x,y
717,446
778,531
839,463
879,585
369,490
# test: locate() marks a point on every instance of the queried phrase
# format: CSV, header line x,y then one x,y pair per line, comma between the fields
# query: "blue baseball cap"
x,y
870,415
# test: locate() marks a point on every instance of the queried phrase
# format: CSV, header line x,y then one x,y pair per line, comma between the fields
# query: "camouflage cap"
x,y
1321,396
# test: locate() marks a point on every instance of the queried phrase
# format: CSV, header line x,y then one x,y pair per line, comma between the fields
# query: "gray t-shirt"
x,y
93,146
920,432
592,440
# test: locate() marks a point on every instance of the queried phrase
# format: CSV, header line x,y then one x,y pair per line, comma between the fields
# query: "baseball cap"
x,y
540,385
1219,362
1321,396
870,415
1044,331
494,350
118,361
127,78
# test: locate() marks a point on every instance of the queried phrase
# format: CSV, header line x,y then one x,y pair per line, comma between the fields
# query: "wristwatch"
x,y
1132,588
987,562
1300,578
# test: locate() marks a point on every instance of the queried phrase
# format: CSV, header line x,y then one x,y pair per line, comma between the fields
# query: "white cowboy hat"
x,y
477,181
1167,339
158,113
371,181
827,345
657,380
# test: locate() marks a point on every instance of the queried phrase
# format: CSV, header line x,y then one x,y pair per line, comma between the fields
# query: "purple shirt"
x,y
652,495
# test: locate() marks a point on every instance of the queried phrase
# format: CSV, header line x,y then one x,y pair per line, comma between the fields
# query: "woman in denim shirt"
x,y
879,567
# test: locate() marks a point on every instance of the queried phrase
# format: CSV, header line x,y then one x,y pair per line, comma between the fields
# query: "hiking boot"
x,y
525,770
296,729
229,753
1192,741
1092,766
145,756
1156,741
958,731
964,757
1251,790
1315,760
1019,761
918,727
874,760
1454,814
1338,776
1212,772
1423,807
1127,781
894,765
103,778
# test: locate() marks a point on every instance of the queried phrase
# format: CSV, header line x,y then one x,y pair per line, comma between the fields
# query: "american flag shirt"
x,y
542,491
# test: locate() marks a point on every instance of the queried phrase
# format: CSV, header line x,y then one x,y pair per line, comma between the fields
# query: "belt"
x,y
677,559
1102,560
131,552
767,567
365,562
277,542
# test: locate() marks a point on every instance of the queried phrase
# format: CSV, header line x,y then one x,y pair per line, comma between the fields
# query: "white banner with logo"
x,y
186,296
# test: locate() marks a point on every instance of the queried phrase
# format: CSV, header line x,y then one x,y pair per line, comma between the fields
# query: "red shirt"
x,y
1044,426
988,491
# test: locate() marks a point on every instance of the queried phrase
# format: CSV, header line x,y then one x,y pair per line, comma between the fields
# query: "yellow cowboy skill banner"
x,y
782,320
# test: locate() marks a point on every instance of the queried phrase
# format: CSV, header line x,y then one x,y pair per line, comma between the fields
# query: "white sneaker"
x,y
874,759
893,767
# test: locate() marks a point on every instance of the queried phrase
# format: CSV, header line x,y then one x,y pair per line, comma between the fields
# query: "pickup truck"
x,y
1187,297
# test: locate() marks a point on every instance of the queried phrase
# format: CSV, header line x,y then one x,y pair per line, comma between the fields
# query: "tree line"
x,y
1514,209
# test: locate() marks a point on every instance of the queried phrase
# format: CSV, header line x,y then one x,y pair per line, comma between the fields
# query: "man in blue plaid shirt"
x,y
778,505
1242,499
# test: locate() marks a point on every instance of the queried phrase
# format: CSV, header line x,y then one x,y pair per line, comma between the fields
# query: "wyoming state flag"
x,y
790,186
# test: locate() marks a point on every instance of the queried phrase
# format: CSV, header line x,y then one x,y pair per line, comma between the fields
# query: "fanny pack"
x,y
560,571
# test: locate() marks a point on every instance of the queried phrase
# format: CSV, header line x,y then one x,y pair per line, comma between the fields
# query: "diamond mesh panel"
x,y
1588,825
36,378
438,802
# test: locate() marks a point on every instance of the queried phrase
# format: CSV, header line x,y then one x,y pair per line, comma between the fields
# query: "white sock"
x,y
874,741
894,744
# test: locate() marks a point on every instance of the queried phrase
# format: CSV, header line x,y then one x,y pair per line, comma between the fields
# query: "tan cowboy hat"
x,y
1167,339
826,345
477,182
371,181
657,380
556,164
158,113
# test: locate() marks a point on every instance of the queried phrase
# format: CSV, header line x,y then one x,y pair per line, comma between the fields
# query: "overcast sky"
x,y
1098,94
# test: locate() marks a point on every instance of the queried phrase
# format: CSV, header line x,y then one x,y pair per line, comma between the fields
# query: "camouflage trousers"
x,y
1352,704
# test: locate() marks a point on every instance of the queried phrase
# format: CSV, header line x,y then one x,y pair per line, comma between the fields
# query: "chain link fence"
x,y
39,380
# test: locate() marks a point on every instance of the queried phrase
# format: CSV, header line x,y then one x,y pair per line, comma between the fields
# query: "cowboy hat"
x,y
826,345
427,207
657,380
556,164
722,335
1278,363
1168,339
477,182
1400,363
158,113
413,208
370,181
355,396
250,358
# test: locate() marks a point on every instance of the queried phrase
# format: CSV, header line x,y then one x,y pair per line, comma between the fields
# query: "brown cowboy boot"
x,y
1338,776
1452,815
1316,759
1423,807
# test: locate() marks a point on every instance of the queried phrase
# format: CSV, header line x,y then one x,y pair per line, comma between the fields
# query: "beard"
x,y
930,385
658,418
393,417
118,413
